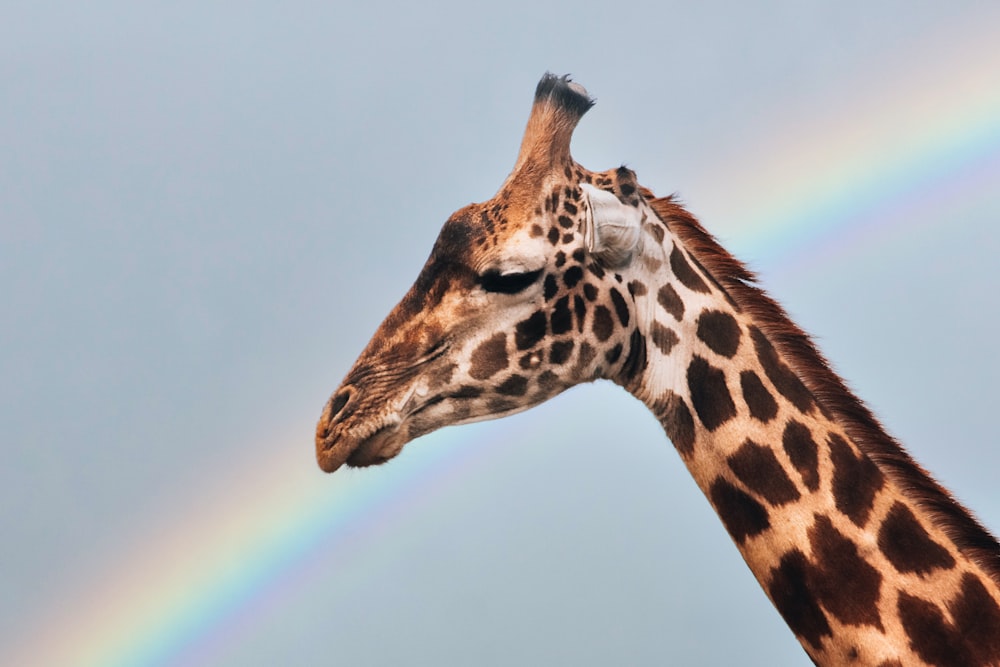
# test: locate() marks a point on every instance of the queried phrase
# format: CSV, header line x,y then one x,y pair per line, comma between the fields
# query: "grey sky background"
x,y
206,209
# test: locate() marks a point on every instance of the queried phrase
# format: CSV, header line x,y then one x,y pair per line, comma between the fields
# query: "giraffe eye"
x,y
508,283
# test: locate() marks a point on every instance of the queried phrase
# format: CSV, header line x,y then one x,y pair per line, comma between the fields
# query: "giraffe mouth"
x,y
379,447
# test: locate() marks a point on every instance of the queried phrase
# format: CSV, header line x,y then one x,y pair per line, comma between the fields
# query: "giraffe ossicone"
x,y
569,276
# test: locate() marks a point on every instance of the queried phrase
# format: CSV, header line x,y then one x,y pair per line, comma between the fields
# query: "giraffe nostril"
x,y
337,404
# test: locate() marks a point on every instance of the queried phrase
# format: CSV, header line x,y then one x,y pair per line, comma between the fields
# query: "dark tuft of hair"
x,y
556,90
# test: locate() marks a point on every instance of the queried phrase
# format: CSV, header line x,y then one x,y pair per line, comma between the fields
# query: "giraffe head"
x,y
522,297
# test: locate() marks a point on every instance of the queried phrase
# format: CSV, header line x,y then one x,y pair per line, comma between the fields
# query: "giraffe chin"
x,y
375,449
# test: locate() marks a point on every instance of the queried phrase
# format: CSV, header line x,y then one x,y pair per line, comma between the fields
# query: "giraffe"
x,y
568,276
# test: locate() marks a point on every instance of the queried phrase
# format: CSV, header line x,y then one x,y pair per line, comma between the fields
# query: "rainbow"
x,y
183,595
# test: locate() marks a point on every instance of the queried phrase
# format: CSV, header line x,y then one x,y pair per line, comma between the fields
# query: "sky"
x,y
206,211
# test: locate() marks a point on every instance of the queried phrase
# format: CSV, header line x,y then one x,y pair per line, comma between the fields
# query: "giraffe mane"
x,y
829,389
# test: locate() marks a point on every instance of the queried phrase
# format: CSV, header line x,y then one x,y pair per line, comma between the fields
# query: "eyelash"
x,y
508,283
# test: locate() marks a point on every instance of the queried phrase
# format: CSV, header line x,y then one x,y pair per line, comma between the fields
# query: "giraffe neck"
x,y
866,558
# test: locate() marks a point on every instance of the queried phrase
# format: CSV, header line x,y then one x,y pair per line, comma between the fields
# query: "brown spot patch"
x,y
677,422
635,360
621,307
803,451
515,385
856,480
656,231
762,405
908,546
932,637
845,583
586,354
671,302
551,287
603,325
530,331
758,468
580,308
467,391
489,357
783,379
560,351
978,616
572,276
562,316
688,276
612,355
742,515
663,338
636,288
720,332
794,599
709,394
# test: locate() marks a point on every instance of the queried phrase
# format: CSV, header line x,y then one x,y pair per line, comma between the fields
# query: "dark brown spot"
x,y
565,221
586,354
500,404
580,308
720,332
560,351
596,269
656,231
908,546
856,480
783,379
551,287
635,360
671,301
709,394
758,468
612,355
589,291
489,358
803,452
562,316
621,308
467,391
663,338
762,405
515,385
553,235
845,583
742,515
677,422
977,614
572,276
536,231
794,599
603,324
579,255
548,381
567,238
635,288
932,637
682,269
570,207
530,331
560,259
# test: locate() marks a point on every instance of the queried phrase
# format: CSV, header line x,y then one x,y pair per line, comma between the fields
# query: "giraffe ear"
x,y
611,228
